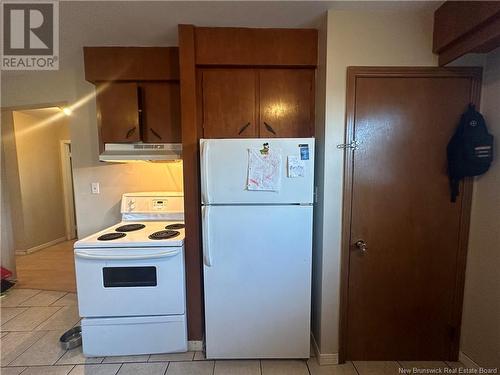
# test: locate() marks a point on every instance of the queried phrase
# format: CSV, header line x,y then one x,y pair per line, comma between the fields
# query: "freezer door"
x,y
224,171
257,273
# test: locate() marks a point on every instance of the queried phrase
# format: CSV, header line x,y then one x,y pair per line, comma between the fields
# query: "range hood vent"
x,y
130,152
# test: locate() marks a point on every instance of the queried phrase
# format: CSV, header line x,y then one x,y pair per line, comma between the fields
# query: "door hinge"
x,y
352,145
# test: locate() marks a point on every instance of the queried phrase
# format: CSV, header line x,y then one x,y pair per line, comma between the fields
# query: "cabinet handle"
x,y
155,133
130,132
243,128
269,128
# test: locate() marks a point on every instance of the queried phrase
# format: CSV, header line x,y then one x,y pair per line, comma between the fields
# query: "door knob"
x,y
361,244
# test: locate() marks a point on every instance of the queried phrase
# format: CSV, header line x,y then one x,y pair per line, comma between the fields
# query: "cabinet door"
x,y
118,113
286,103
229,103
161,119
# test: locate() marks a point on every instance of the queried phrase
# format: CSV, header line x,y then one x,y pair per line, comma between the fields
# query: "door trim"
x,y
353,73
68,191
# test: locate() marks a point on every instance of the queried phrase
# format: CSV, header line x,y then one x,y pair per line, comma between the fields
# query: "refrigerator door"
x,y
224,171
257,273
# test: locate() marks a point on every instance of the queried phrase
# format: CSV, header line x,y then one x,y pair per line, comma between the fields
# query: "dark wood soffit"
x,y
190,136
454,19
483,40
131,63
232,46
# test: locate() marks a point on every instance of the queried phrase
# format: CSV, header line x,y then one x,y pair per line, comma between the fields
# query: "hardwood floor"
x,y
52,268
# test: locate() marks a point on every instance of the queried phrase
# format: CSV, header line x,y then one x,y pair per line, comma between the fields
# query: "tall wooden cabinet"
x,y
235,81
286,103
250,103
229,100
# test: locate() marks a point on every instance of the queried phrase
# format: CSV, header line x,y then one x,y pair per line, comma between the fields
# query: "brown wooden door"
x,y
402,296
161,112
229,103
286,102
118,113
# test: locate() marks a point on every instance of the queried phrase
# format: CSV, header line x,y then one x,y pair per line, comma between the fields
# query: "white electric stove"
x,y
131,280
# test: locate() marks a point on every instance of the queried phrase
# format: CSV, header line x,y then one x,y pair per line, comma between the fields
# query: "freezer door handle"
x,y
207,256
205,198
86,255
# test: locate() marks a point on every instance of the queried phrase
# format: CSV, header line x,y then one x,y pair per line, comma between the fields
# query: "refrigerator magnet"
x,y
304,151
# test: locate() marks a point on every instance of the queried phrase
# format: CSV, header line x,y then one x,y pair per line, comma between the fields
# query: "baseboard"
x,y
195,346
467,361
40,247
324,358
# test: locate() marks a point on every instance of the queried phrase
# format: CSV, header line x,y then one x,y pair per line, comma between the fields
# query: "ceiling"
x,y
154,23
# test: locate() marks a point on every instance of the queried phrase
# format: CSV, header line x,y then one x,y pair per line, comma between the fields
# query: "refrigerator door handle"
x,y
204,178
207,256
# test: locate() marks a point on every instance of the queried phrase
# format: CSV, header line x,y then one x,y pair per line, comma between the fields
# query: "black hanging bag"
x,y
470,150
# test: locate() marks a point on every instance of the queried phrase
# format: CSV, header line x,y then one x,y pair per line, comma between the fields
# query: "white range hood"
x,y
131,152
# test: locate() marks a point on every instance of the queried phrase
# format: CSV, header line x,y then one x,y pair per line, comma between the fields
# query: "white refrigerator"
x,y
257,246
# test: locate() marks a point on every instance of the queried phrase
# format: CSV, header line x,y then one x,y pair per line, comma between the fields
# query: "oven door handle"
x,y
85,255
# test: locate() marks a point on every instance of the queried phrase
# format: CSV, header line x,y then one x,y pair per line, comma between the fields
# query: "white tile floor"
x,y
33,320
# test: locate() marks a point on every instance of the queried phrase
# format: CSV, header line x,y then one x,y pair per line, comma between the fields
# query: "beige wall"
x,y
376,38
481,314
37,146
6,239
93,212
10,182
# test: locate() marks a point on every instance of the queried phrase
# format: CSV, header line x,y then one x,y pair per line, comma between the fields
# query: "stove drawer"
x,y
130,282
134,335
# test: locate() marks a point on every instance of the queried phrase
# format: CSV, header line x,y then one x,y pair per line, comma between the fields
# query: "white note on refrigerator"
x,y
296,167
264,170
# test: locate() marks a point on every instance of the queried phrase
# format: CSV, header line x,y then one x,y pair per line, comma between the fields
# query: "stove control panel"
x,y
159,204
142,203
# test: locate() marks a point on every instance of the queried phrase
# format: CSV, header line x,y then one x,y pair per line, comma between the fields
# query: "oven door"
x,y
130,281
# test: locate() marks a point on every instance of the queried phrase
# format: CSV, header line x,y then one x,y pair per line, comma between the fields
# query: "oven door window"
x,y
128,277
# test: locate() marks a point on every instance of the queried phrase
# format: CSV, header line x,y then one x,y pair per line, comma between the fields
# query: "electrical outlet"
x,y
95,187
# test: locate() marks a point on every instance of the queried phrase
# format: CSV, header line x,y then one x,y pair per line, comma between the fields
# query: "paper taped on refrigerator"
x,y
264,169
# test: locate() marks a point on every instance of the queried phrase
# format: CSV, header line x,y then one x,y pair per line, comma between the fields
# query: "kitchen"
x,y
98,211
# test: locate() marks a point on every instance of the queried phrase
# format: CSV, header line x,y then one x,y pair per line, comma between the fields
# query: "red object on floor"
x,y
5,273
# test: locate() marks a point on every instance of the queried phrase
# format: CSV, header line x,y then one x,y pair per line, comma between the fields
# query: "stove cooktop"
x,y
133,234
130,227
163,235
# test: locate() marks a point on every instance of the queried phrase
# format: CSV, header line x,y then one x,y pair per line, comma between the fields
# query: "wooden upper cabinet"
x,y
286,103
160,112
251,103
117,112
228,102
138,96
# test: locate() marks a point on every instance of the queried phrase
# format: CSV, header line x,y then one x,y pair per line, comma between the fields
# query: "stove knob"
x,y
131,205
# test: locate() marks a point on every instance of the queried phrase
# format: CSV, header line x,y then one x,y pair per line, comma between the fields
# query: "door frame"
x,y
354,72
68,189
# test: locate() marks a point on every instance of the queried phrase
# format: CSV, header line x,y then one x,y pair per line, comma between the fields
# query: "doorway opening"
x,y
38,185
